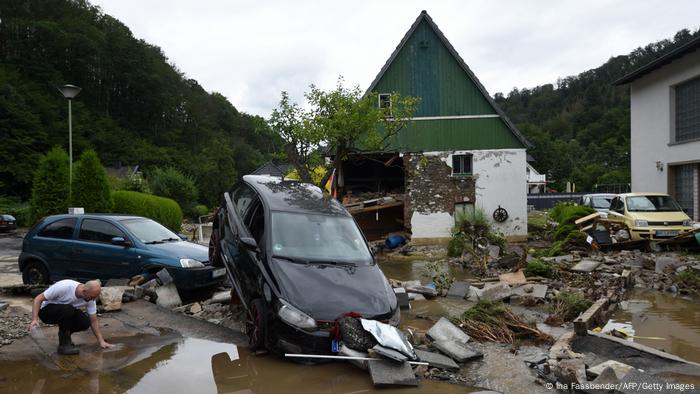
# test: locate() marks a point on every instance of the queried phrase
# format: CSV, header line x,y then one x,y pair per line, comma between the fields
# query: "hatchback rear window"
x,y
59,229
99,231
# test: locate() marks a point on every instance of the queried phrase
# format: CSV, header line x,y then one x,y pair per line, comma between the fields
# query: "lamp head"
x,y
69,91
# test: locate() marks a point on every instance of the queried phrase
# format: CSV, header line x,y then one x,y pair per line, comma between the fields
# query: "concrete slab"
x,y
537,291
390,353
586,266
590,317
641,383
437,360
168,296
402,298
495,291
444,330
513,278
458,290
606,376
619,368
392,373
164,276
459,352
346,351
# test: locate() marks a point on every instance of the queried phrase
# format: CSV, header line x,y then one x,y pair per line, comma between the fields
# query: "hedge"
x,y
163,210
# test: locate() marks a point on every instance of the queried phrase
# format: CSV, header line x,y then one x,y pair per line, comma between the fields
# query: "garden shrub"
x,y
172,183
17,208
50,188
90,184
163,210
538,267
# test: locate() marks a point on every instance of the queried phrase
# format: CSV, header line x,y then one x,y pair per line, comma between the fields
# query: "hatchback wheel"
x,y
256,325
34,273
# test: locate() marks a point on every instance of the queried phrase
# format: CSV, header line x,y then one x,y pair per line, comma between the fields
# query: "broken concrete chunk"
x,y
424,290
513,278
195,308
111,298
494,252
508,261
164,276
402,298
444,330
390,353
619,368
495,292
640,383
458,290
437,360
346,351
222,297
3,306
168,296
416,297
391,373
666,261
586,266
570,371
458,351
536,291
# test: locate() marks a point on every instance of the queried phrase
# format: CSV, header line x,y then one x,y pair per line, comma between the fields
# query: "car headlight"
x,y
396,318
641,223
686,223
191,263
295,317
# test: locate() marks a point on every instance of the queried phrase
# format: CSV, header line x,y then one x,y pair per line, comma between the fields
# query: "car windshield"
x,y
149,231
311,237
601,202
652,204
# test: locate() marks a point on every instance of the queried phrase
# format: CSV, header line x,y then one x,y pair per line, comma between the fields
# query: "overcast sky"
x,y
250,51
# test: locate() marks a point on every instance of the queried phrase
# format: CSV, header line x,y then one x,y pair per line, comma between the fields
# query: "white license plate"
x,y
218,272
666,233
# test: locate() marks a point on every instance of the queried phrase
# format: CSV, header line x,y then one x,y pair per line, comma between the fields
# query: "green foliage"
x,y
455,247
490,312
580,126
200,210
50,188
567,306
20,210
539,267
171,183
689,279
90,184
134,183
136,107
562,231
163,210
437,273
568,213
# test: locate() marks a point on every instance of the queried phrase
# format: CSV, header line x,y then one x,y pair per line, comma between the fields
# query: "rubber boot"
x,y
65,345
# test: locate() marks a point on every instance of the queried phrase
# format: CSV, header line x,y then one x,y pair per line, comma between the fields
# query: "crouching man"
x,y
59,305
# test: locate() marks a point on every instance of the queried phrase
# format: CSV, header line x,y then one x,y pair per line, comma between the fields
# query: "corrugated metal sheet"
x,y
455,134
424,67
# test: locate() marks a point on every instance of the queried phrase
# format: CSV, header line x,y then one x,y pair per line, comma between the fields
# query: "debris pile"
x,y
493,321
13,324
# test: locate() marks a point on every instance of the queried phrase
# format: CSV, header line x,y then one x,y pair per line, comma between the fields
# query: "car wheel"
x,y
34,273
256,325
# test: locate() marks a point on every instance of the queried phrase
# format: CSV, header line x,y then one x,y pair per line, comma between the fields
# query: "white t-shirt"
x,y
63,292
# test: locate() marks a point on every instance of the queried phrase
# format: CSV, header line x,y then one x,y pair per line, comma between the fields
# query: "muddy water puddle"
x,y
664,322
412,270
157,364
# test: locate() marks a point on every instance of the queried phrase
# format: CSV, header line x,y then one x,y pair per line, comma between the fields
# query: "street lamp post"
x,y
69,92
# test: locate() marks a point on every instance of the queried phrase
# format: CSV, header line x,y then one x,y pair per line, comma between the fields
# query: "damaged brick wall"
x,y
430,186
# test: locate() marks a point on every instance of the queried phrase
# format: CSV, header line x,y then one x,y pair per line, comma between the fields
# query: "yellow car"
x,y
654,216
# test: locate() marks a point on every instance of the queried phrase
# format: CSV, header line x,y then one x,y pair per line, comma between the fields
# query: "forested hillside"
x,y
580,126
135,107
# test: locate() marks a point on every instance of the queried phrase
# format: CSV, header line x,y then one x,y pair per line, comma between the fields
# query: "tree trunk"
x,y
296,161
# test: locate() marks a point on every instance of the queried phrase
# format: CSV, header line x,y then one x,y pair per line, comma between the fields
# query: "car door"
x,y
97,257
54,244
617,210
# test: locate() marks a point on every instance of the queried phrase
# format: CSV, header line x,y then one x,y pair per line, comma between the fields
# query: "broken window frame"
x,y
462,160
384,102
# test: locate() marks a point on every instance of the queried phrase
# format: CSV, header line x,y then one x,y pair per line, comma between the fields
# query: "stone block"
x,y
437,360
392,373
164,276
402,298
588,318
662,262
195,308
111,298
458,290
586,266
536,291
444,330
494,252
495,291
168,296
513,278
458,351
571,371
619,368
389,353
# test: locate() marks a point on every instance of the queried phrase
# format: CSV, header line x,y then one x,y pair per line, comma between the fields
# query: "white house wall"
x,y
650,113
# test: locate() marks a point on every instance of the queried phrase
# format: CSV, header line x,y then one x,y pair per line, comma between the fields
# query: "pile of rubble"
x,y
13,324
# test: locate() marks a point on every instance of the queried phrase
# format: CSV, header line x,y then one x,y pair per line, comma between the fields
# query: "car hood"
x,y
325,292
659,216
181,250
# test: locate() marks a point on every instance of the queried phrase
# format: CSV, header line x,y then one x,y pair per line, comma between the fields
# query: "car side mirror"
x,y
183,237
249,243
120,241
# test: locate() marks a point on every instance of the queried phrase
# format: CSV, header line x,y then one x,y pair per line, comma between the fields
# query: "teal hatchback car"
x,y
90,246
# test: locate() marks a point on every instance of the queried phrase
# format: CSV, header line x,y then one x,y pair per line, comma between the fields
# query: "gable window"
x,y
461,164
385,101
687,111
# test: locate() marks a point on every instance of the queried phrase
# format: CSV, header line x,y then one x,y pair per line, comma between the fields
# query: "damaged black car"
x,y
298,262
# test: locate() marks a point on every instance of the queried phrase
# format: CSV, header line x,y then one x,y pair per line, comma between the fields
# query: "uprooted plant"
x,y
493,321
566,307
443,279
471,236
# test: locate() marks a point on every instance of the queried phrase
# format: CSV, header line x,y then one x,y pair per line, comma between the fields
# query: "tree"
x,y
50,188
172,183
343,120
90,184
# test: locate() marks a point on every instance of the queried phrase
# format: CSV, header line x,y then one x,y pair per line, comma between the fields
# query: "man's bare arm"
x,y
36,306
95,325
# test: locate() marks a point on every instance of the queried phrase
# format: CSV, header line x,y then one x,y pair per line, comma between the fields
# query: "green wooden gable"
x,y
455,112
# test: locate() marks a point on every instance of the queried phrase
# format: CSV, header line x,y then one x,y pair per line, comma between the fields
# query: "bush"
x,y
200,210
456,245
90,184
567,306
173,184
50,189
567,213
161,209
135,183
538,267
20,210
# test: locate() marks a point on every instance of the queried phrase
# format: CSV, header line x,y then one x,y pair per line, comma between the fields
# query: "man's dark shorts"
x,y
67,317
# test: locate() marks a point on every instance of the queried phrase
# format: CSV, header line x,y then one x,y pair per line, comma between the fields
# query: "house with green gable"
x,y
459,153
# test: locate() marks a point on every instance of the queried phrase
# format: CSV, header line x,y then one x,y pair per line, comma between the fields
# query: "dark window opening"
x,y
687,111
461,164
99,231
385,102
62,229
